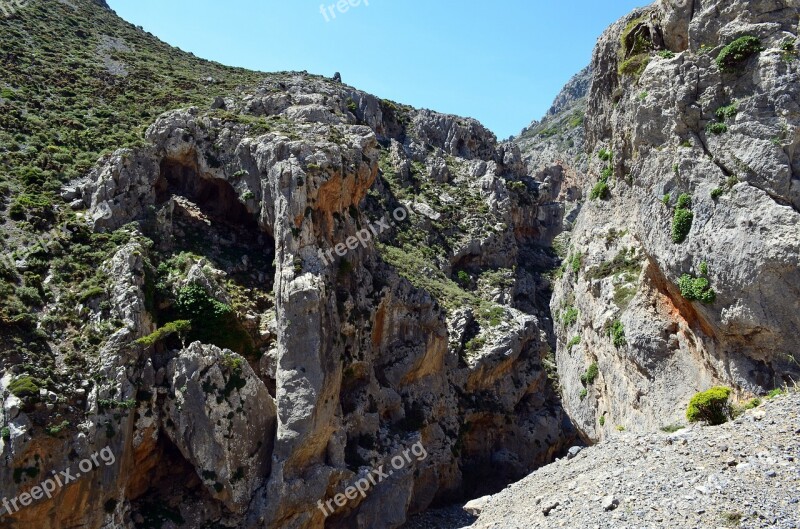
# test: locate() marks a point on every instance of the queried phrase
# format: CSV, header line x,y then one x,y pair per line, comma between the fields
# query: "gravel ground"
x,y
743,474
452,517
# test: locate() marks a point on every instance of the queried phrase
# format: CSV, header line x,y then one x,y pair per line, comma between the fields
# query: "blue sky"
x,y
501,62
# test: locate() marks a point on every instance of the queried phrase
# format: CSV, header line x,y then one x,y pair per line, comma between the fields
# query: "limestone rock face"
x,y
224,421
361,277
366,283
727,139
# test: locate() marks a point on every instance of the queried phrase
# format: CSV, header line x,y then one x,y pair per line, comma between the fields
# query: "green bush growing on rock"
x,y
681,225
727,112
576,262
788,47
635,66
682,219
572,343
25,386
569,317
752,404
617,334
54,430
710,406
591,374
212,321
636,45
600,189
179,327
717,128
583,393
666,54
737,52
775,392
29,296
696,289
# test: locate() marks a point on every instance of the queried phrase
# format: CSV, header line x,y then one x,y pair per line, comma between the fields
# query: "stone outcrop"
x,y
728,139
334,364
311,280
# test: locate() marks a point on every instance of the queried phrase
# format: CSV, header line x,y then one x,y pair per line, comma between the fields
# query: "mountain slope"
x,y
255,295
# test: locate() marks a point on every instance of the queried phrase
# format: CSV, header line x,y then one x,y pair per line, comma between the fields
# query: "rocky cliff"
x,y
293,284
682,268
257,291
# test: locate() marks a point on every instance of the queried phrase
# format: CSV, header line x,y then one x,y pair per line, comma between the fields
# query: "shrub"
x,y
600,190
685,201
180,327
727,112
665,199
576,262
492,315
195,301
5,433
25,386
569,317
583,393
635,66
717,192
717,128
605,155
602,420
213,322
681,224
710,406
696,289
53,431
737,52
775,392
752,403
29,296
463,278
591,374
575,341
617,334
788,47
666,54
704,268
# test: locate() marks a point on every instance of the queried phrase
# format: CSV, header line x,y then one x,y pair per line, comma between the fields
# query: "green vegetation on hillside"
x,y
682,219
76,82
737,52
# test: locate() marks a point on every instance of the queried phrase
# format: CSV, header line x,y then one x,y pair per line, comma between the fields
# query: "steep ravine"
x,y
272,294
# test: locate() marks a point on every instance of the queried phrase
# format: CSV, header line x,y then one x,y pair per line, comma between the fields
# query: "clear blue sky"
x,y
500,61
